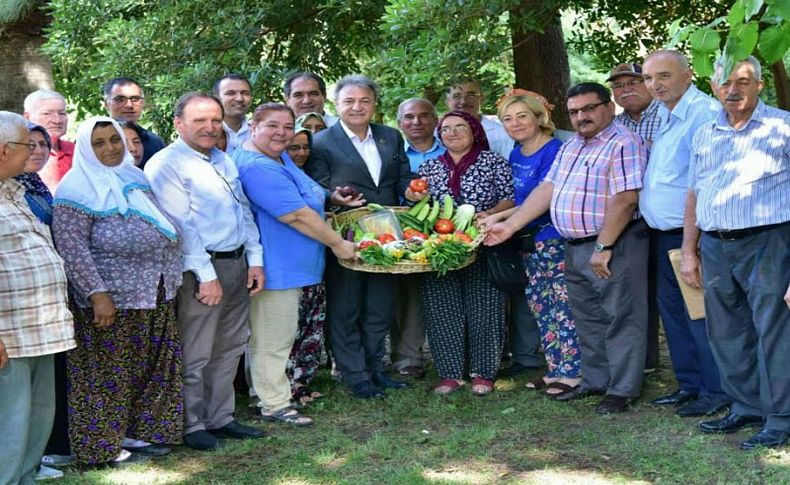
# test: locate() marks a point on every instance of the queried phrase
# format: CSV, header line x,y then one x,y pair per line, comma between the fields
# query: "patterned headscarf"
x,y
37,195
479,144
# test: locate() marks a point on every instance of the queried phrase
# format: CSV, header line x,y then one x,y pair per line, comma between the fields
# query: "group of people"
x,y
137,274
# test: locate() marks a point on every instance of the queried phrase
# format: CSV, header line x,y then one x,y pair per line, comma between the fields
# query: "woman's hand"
x,y
355,199
498,233
415,196
787,296
345,250
103,309
3,355
485,220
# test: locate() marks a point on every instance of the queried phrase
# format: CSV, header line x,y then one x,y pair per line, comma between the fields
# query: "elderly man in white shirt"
x,y
198,186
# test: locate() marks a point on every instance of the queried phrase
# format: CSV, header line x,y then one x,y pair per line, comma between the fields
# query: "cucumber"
x,y
424,212
376,207
418,206
434,214
447,210
410,221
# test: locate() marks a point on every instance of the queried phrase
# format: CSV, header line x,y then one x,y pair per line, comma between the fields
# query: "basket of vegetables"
x,y
430,236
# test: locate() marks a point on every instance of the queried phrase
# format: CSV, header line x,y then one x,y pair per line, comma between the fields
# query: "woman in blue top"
x,y
288,207
526,119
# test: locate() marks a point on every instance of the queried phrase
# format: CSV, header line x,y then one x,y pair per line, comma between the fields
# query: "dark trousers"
x,y
611,314
361,310
653,351
58,443
745,281
524,335
687,339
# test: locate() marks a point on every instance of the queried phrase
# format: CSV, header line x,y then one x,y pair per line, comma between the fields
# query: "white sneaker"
x,y
47,473
57,460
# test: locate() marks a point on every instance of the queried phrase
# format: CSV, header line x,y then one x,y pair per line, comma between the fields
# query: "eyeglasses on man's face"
x,y
633,82
121,100
31,146
471,95
585,109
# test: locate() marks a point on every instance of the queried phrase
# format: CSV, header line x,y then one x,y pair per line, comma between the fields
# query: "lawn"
x,y
512,436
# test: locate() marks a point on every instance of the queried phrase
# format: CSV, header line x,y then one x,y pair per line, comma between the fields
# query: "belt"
x,y
235,254
671,232
741,233
581,240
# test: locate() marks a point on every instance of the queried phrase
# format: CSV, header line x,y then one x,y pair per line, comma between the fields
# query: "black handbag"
x,y
506,266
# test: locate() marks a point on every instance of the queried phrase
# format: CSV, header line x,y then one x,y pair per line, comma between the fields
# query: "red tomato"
x,y
418,185
444,226
366,244
421,235
385,238
462,237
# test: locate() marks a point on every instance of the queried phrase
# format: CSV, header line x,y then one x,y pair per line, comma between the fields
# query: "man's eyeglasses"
x,y
585,109
455,129
123,99
31,146
470,95
634,81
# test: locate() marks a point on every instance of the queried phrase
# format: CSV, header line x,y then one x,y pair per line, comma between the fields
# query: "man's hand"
x,y
103,309
600,263
787,300
3,355
348,201
255,279
690,269
498,233
415,196
209,293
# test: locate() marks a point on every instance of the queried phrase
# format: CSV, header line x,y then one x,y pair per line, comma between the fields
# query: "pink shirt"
x,y
58,164
587,171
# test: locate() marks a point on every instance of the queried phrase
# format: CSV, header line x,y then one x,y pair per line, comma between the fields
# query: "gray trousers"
x,y
27,409
212,341
611,314
524,336
408,330
748,321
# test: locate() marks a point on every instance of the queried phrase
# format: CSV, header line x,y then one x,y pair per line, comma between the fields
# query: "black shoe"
x,y
149,450
129,460
767,438
366,390
677,398
730,423
612,404
384,381
201,440
515,369
414,371
238,431
578,393
703,406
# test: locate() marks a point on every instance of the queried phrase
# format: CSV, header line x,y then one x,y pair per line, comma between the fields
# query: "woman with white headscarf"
x,y
123,263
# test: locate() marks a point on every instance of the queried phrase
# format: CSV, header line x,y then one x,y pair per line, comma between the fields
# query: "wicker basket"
x,y
401,267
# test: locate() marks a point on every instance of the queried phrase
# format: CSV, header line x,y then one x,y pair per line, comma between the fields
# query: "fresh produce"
x,y
385,238
449,255
349,191
462,236
447,207
418,185
444,226
366,244
419,205
464,216
375,254
434,213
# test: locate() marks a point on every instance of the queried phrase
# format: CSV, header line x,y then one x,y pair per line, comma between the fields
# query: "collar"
x,y
245,125
434,147
181,146
352,136
12,187
604,134
722,123
684,103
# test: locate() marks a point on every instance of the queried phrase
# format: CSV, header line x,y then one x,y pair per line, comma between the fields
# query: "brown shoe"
x,y
612,404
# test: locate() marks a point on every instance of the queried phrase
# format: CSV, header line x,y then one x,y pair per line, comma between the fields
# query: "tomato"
x,y
385,238
444,226
421,235
366,244
418,185
412,233
461,237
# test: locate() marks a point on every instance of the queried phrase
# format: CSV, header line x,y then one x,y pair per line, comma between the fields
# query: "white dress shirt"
x,y
330,119
498,141
236,138
368,150
203,195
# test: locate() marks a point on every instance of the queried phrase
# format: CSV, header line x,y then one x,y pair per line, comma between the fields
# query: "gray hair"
x,y
357,80
718,68
680,58
32,99
10,123
422,101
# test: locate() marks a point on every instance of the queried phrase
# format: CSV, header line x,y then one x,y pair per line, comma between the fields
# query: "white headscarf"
x,y
102,191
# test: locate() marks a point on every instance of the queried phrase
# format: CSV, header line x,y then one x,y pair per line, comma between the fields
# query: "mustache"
x,y
733,98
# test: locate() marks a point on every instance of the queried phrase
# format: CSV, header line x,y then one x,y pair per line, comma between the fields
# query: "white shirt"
x,y
203,195
236,138
329,119
368,150
498,140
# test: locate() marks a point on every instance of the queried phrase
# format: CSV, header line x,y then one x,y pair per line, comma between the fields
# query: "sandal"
x,y
447,386
482,387
537,384
289,416
561,386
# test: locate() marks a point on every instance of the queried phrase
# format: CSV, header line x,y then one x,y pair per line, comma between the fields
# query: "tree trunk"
x,y
23,67
540,60
782,85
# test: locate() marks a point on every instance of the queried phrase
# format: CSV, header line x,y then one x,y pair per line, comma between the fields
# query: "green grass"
x,y
512,436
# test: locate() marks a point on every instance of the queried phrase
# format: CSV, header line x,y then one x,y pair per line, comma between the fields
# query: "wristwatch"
x,y
599,248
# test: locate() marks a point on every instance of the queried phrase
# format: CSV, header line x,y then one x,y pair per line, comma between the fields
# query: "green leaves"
x,y
705,40
774,42
742,40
